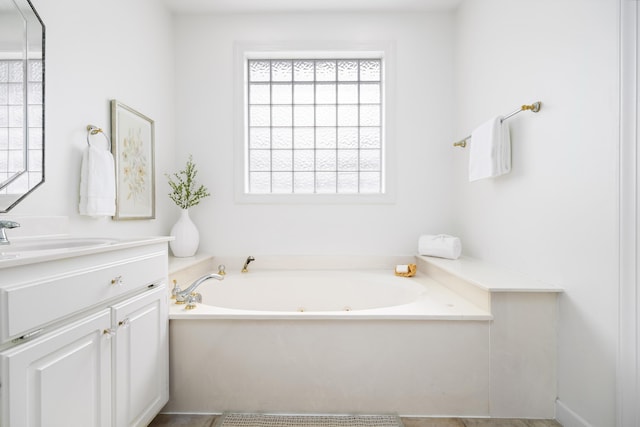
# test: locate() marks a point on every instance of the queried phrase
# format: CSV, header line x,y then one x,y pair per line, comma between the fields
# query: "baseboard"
x,y
567,417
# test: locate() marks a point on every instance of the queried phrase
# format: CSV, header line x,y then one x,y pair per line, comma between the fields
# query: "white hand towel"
x,y
440,245
504,165
97,183
490,153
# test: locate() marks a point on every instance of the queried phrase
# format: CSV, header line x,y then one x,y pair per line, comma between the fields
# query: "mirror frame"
x,y
8,201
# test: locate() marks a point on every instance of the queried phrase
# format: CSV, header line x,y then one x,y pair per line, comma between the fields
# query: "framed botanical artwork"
x,y
133,151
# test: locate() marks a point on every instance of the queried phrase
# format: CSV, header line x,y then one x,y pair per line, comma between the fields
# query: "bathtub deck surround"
x,y
467,345
523,332
185,270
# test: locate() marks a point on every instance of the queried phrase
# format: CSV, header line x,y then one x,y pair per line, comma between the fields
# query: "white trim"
x,y
568,418
245,49
11,55
627,411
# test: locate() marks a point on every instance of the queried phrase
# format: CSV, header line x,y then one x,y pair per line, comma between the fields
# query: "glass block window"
x,y
18,82
315,126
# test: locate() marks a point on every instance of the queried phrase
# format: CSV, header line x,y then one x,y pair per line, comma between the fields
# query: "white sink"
x,y
25,246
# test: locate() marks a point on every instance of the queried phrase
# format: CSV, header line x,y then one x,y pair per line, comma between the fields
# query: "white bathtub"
x,y
323,294
366,341
329,342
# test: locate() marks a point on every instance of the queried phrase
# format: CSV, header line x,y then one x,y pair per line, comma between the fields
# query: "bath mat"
x,y
276,420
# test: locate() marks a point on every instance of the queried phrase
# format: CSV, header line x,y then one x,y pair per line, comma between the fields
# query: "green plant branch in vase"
x,y
184,191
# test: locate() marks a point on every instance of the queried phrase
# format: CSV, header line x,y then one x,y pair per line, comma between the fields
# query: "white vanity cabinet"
x,y
85,338
62,379
140,351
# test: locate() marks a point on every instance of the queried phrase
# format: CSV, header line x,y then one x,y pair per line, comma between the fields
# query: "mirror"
x,y
21,101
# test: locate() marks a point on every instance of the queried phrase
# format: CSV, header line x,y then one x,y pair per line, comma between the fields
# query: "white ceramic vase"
x,y
187,237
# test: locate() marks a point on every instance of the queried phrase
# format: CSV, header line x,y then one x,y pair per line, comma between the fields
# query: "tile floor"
x,y
167,420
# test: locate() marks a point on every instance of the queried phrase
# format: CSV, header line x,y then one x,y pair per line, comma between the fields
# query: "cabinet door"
x,y
60,379
141,356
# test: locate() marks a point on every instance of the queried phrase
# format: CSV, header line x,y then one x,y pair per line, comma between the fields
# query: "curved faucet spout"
x,y
5,225
180,296
246,263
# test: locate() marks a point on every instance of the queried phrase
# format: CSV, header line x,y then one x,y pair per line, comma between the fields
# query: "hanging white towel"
x,y
504,165
97,183
490,153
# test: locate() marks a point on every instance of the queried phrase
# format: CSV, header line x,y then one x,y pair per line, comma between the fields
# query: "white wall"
x,y
205,96
97,51
555,216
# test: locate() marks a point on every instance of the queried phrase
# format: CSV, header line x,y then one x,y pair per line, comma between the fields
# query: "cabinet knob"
x,y
124,323
109,332
117,281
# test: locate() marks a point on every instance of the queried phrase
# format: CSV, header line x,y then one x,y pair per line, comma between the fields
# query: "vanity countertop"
x,y
34,250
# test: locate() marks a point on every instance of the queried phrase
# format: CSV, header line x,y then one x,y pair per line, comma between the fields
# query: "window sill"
x,y
313,199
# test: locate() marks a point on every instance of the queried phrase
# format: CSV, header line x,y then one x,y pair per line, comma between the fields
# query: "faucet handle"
x,y
221,269
191,302
176,289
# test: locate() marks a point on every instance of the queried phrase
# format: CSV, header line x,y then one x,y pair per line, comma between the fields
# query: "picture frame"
x,y
133,136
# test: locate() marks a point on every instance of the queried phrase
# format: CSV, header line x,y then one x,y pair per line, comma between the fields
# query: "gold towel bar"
x,y
535,107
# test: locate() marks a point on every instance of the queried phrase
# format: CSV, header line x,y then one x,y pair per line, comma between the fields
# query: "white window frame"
x,y
316,50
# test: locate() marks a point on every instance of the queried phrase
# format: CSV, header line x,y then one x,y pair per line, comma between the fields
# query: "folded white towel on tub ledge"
x,y
439,245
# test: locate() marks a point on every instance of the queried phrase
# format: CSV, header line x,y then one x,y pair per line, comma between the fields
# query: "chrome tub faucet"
x,y
4,225
246,264
182,296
